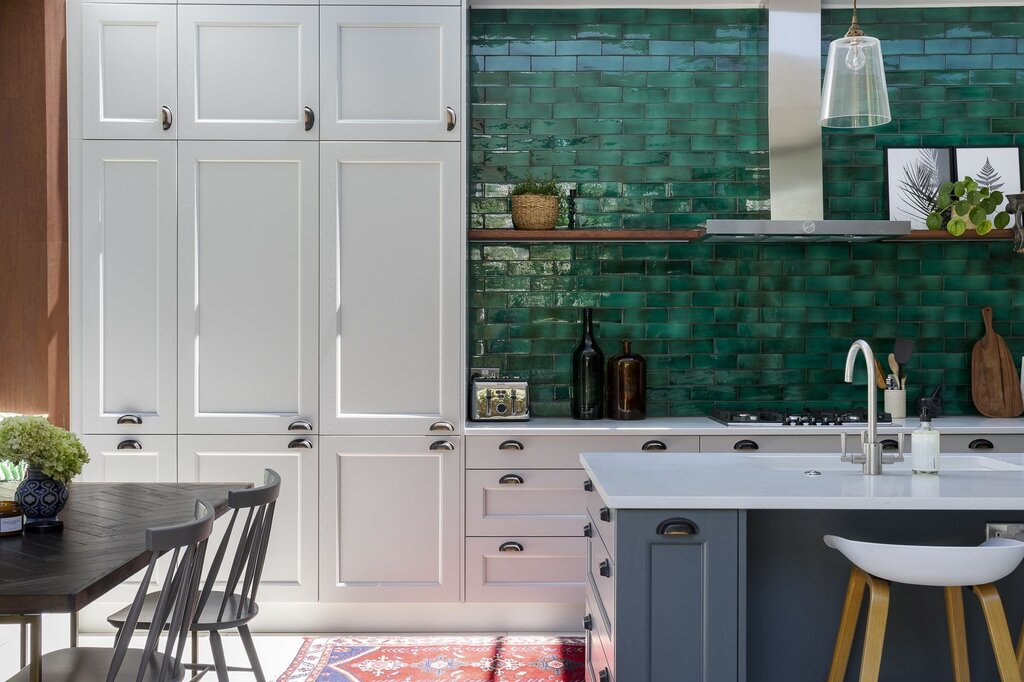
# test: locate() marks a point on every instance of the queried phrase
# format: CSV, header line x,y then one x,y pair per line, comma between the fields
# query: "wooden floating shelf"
x,y
510,235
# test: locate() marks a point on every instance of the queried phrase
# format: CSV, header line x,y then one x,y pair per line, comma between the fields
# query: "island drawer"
x,y
977,444
525,502
600,650
526,569
601,573
562,452
601,519
788,443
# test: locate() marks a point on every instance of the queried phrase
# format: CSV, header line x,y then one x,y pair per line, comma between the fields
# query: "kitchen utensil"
x,y
879,375
893,365
903,349
995,386
895,401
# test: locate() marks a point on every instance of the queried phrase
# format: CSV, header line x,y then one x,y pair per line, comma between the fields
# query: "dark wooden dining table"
x,y
102,544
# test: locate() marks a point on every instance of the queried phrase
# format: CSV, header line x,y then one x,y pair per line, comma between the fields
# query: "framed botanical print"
x,y
997,168
913,177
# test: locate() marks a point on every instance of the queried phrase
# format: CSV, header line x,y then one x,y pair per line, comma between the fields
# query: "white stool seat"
x,y
986,563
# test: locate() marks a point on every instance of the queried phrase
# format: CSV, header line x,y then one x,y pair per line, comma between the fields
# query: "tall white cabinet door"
x,y
129,89
290,571
126,459
391,287
248,73
128,290
389,519
247,296
391,73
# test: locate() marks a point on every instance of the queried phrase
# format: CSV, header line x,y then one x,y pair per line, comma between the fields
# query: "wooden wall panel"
x,y
33,209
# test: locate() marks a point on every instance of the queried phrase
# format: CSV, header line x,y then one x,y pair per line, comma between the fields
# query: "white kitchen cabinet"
x,y
389,2
794,442
525,502
526,569
248,73
389,519
129,87
391,73
124,459
390,297
247,287
128,262
290,571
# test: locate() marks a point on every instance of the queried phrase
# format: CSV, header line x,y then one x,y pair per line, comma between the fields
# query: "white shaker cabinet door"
x,y
389,525
126,459
248,73
129,87
391,73
290,571
127,374
247,287
390,301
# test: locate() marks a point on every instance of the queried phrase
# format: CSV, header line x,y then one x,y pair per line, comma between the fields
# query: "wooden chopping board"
x,y
995,386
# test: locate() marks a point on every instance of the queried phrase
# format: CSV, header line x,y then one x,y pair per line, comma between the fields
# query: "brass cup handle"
x,y
300,425
511,445
511,479
301,443
130,444
166,118
510,546
310,118
452,119
441,445
129,419
442,426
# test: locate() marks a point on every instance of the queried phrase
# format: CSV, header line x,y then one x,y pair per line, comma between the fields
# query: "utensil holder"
x,y
896,402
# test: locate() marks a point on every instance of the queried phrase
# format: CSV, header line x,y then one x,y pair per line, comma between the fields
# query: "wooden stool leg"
x,y
874,632
998,632
957,634
847,625
1020,651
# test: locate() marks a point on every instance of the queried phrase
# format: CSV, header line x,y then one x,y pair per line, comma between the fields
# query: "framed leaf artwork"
x,y
913,177
997,168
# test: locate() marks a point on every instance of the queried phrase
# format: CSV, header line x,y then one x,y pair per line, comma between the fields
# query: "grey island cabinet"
x,y
711,567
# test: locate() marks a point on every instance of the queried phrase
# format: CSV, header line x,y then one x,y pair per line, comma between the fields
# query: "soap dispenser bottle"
x,y
924,447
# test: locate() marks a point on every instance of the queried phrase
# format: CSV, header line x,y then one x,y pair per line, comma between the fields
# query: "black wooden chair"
x,y
235,605
173,612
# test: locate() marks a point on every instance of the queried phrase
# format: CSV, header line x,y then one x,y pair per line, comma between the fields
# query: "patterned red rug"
x,y
438,659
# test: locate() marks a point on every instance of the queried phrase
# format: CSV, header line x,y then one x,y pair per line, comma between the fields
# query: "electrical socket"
x,y
1013,531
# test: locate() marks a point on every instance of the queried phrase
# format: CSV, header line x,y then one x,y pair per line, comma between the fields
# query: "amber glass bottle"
x,y
627,385
587,392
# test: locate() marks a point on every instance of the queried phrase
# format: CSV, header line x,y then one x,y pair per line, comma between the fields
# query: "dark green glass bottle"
x,y
587,374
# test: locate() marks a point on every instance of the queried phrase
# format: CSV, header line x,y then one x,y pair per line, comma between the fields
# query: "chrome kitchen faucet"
x,y
871,457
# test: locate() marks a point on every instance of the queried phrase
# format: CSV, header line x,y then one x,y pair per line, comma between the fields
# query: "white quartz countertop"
x,y
752,481
704,426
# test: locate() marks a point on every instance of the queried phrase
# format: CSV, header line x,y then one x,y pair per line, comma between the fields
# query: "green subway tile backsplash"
x,y
658,118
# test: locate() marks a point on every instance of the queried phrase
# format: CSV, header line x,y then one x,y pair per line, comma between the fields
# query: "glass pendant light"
x,y
854,93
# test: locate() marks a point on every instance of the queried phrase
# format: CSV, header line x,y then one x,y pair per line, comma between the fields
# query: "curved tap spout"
x,y
872,450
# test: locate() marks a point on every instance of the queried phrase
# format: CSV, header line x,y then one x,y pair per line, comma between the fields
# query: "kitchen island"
x,y
712,566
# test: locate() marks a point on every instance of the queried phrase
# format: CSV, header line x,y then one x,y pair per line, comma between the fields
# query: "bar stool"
x,y
952,568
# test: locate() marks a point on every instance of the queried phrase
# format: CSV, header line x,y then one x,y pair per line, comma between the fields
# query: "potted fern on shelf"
x,y
535,204
52,457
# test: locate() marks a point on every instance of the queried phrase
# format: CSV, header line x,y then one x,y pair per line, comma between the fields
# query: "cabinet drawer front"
x,y
788,443
978,444
560,452
601,520
525,502
601,572
599,636
544,570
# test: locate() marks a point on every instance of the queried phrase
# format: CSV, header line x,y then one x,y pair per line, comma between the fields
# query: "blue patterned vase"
x,y
41,498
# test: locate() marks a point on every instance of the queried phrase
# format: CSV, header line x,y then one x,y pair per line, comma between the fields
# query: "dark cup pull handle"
x,y
301,443
588,531
606,514
604,675
511,479
129,445
129,419
745,445
588,622
890,444
511,445
981,444
510,546
654,445
310,117
588,485
605,569
678,526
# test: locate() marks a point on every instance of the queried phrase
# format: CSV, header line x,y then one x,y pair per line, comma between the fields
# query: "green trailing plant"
x,y
965,204
35,442
533,186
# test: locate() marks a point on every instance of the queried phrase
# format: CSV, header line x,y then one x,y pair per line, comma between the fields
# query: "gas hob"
x,y
807,417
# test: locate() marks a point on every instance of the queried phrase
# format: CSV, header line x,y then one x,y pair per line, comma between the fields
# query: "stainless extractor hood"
x,y
794,141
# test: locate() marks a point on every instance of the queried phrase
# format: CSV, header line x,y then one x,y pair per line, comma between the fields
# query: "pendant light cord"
x,y
855,30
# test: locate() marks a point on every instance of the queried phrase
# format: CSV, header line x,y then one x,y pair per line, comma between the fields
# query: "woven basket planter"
x,y
534,211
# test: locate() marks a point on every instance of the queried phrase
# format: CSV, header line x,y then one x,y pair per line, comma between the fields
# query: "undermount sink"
x,y
832,463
